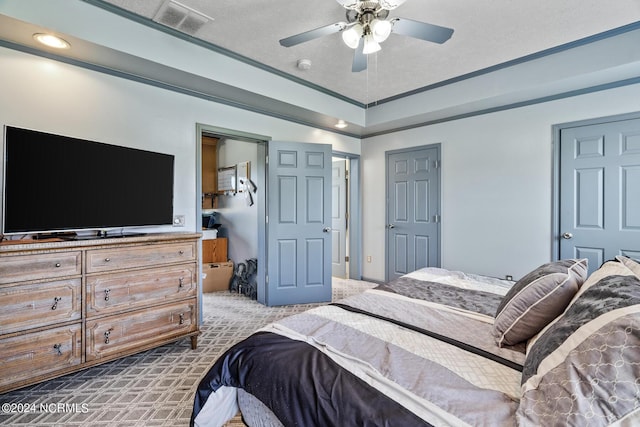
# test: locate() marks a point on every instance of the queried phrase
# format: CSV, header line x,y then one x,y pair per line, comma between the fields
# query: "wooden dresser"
x,y
69,305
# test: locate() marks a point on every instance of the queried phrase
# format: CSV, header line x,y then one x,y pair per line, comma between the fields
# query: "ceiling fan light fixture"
x,y
390,4
351,37
348,4
367,20
370,45
380,29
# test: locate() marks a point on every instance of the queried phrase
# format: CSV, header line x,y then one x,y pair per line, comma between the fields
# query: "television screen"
x,y
58,183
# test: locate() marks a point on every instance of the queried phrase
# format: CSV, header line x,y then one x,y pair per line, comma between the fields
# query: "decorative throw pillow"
x,y
536,299
583,369
631,264
609,268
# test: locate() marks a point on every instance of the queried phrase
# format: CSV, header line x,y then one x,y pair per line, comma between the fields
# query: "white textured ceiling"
x,y
487,33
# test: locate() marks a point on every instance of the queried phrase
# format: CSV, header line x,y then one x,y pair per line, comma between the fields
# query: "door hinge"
x,y
436,164
266,219
346,259
266,279
346,175
436,219
266,160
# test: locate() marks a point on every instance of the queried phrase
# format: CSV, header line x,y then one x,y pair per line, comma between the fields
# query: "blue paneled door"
x,y
413,210
298,223
600,191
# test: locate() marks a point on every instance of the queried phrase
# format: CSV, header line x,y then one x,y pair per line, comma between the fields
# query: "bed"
x,y
438,347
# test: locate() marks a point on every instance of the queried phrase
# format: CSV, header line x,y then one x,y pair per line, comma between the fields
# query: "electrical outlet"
x,y
178,220
369,258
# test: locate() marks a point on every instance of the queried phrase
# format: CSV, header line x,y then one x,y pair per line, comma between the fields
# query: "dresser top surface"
x,y
26,245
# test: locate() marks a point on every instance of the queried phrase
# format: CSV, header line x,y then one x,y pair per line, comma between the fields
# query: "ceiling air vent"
x,y
181,17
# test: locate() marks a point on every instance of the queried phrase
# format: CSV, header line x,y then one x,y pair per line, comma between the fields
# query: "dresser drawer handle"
x,y
57,264
107,259
181,318
106,294
106,335
57,348
181,252
181,282
55,302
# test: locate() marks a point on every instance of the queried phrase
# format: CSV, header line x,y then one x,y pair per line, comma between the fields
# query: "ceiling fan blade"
x,y
421,30
313,34
359,58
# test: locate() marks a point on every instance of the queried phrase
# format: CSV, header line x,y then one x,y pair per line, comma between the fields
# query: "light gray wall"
x,y
75,18
49,96
496,183
240,222
496,196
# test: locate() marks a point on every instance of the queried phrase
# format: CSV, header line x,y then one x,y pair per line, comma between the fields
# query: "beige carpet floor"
x,y
156,387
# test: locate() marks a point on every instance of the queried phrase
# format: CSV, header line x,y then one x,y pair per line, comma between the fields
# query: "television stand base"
x,y
86,236
118,235
64,236
107,235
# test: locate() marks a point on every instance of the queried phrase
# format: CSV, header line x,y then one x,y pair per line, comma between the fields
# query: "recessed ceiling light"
x,y
341,124
51,41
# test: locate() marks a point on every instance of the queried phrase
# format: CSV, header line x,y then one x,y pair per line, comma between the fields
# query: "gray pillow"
x,y
583,369
537,299
631,264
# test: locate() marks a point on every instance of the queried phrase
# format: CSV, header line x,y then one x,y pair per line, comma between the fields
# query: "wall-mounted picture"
x,y
227,179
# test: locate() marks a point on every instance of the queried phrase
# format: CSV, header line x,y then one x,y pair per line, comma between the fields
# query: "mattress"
x,y
416,351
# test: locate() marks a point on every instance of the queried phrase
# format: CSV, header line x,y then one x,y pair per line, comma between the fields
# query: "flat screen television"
x,y
54,183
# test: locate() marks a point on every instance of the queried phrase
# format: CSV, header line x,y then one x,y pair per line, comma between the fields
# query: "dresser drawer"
x,y
39,353
20,268
101,260
131,332
107,293
39,304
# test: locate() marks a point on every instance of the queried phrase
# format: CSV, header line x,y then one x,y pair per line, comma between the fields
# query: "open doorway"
x,y
345,217
230,184
339,215
242,221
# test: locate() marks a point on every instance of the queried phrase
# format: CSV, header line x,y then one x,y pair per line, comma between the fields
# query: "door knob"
x,y
567,235
390,226
326,229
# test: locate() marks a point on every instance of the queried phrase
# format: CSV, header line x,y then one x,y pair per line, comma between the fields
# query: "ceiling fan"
x,y
367,26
